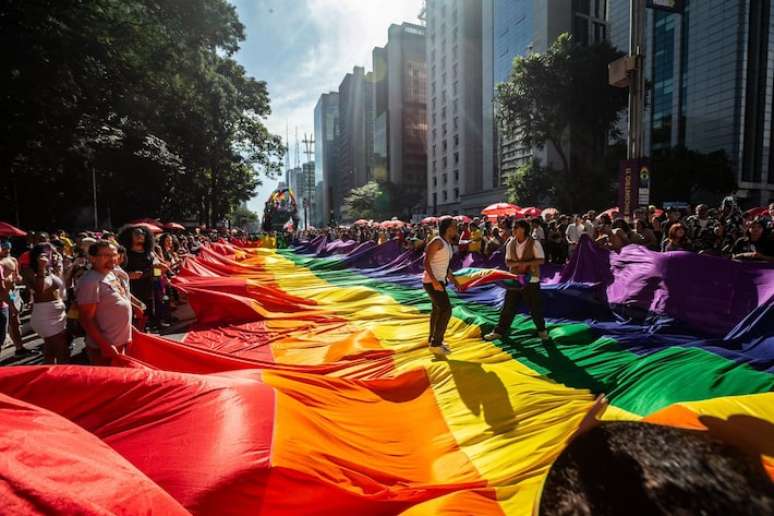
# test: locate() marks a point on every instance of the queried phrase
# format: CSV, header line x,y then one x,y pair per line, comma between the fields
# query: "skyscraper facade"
x,y
400,119
454,117
354,137
710,71
326,121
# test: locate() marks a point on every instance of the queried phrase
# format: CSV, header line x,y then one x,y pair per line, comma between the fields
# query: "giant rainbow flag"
x,y
305,386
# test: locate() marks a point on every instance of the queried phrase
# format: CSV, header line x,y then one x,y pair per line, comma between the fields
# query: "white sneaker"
x,y
441,351
492,336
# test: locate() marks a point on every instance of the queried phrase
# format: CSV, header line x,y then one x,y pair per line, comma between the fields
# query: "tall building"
x,y
399,83
710,70
513,28
354,136
454,147
326,126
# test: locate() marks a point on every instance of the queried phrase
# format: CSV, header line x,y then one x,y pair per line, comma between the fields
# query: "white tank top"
x,y
439,263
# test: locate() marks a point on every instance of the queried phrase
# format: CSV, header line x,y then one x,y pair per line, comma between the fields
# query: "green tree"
x,y
364,202
531,185
562,99
145,94
241,217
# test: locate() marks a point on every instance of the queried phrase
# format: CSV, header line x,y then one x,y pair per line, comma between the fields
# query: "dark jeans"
x,y
513,297
439,317
4,316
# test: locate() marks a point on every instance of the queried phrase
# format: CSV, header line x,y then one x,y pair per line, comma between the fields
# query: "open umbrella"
x,y
610,212
549,212
153,228
174,226
361,222
463,218
430,220
756,212
531,212
500,209
7,230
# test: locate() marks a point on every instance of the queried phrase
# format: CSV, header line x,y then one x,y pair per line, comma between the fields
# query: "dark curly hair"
x,y
125,237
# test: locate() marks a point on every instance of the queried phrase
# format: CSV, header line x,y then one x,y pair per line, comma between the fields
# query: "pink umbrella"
x,y
463,218
531,212
611,212
7,230
153,228
174,226
500,209
756,212
430,220
361,222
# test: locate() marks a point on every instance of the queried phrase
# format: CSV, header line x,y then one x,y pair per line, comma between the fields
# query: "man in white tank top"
x,y
437,258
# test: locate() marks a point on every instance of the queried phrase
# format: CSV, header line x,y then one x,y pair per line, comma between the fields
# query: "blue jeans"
x,y
4,313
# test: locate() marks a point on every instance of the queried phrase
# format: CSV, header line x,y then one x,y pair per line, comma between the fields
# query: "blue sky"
x,y
303,48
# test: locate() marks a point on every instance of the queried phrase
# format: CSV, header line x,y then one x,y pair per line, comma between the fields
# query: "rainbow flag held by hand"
x,y
472,277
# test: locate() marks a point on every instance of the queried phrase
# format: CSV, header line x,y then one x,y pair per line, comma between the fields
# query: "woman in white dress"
x,y
49,315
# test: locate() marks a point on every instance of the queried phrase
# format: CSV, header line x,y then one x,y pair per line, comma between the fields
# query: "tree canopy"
x,y
142,94
364,202
562,99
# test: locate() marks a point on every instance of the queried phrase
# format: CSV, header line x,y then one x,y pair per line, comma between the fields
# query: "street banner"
x,y
643,197
628,186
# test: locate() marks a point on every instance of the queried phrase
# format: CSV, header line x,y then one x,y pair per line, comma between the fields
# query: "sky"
x,y
303,48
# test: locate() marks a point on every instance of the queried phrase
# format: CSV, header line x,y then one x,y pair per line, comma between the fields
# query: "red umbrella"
x,y
500,208
430,220
153,228
756,212
531,212
7,230
463,218
610,212
392,224
174,226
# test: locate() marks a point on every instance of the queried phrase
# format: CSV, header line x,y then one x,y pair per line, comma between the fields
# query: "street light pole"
x,y
94,194
637,79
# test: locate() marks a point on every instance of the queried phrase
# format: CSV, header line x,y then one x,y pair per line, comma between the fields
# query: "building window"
x,y
456,193
600,32
433,103
443,96
454,70
581,30
456,140
435,166
456,105
583,6
600,9
435,181
444,129
454,51
445,196
454,87
445,179
435,198
456,122
434,149
433,87
456,176
456,158
445,163
434,135
443,113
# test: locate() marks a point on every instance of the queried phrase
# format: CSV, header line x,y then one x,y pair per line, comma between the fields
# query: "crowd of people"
x,y
95,285
722,231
